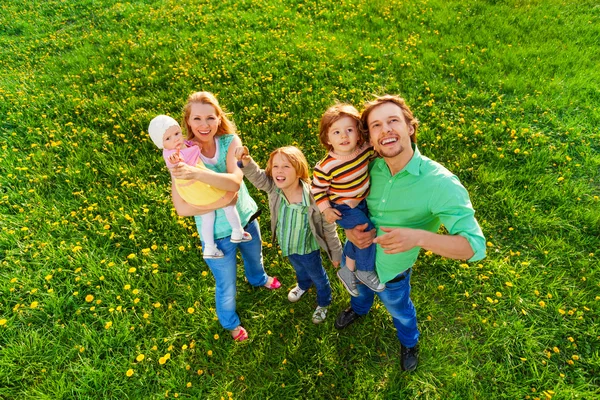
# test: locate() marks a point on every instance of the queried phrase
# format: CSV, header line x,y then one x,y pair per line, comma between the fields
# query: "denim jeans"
x,y
365,258
396,299
224,270
309,270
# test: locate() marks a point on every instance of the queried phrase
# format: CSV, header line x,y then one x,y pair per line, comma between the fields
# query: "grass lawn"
x,y
103,289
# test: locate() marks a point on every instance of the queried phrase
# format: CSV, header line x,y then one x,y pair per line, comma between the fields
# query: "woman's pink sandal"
x,y
275,284
241,335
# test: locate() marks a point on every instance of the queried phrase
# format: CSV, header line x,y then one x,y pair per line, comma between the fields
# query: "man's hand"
x,y
336,264
184,171
397,240
359,237
242,154
331,215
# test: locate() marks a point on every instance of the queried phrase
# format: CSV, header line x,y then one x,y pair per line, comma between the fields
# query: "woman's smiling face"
x,y
203,121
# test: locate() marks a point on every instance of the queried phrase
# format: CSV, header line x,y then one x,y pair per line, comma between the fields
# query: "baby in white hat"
x,y
166,134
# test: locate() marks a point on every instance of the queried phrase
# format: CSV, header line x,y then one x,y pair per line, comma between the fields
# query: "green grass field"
x,y
103,289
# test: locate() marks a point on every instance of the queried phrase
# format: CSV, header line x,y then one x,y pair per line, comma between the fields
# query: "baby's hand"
x,y
331,215
175,158
336,264
243,156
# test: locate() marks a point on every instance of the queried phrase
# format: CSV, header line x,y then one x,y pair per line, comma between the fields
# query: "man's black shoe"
x,y
345,318
409,357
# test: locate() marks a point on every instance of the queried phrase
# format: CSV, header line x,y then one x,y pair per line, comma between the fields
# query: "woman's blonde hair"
x,y
225,124
295,157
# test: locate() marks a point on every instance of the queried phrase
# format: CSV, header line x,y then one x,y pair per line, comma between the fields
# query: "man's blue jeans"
x,y
224,270
396,299
309,270
364,258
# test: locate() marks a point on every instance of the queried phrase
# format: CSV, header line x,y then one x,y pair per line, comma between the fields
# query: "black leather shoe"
x,y
345,318
409,357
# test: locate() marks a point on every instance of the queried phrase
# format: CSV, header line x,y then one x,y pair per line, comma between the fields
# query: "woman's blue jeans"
x,y
225,272
309,269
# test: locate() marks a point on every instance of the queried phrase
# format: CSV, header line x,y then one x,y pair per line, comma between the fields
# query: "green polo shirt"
x,y
423,195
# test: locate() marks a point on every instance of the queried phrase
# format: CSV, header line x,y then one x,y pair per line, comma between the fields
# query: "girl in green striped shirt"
x,y
296,221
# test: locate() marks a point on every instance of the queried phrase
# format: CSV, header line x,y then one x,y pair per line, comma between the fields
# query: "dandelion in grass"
x,y
3,321
542,303
33,304
129,372
189,384
89,298
200,372
191,310
108,325
140,357
131,270
48,277
216,336
204,273
127,287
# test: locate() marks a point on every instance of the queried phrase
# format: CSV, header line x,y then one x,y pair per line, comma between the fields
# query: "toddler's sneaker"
x,y
319,315
348,280
240,236
295,294
370,279
212,251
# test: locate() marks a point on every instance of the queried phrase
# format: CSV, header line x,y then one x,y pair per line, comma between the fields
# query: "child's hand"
x,y
336,264
331,215
175,158
243,156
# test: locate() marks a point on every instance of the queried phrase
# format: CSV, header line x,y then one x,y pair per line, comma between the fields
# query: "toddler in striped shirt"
x,y
340,186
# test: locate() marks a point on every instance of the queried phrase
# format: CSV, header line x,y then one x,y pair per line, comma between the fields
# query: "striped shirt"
x,y
342,179
293,230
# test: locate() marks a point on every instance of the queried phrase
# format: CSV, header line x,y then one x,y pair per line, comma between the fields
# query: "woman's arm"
x,y
229,181
185,209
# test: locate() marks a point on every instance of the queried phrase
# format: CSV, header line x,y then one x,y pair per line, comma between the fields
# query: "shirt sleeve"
x,y
320,186
452,205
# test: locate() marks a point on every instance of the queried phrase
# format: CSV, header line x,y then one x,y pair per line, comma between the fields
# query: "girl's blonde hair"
x,y
225,124
295,157
333,114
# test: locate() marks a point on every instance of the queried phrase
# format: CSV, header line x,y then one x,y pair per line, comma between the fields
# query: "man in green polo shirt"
x,y
411,197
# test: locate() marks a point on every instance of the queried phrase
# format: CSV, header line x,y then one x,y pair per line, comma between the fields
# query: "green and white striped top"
x,y
293,229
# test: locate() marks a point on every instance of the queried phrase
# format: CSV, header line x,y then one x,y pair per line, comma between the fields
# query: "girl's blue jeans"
x,y
364,258
225,272
309,269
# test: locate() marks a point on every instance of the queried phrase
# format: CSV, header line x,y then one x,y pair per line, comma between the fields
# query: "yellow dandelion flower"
x,y
89,298
131,256
200,372
33,304
210,353
570,362
156,305
189,384
204,273
162,360
181,248
135,291
108,325
575,357
127,287
191,310
542,303
140,357
561,311
167,356
508,284
570,339
3,321
556,349
184,347
146,315
216,336
136,300
131,270
13,280
48,277
129,372
498,294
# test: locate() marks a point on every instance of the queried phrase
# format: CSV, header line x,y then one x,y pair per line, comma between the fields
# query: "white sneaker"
x,y
295,294
212,251
319,315
240,237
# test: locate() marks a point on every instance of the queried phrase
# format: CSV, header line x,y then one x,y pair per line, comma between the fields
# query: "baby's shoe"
x,y
238,236
370,279
212,251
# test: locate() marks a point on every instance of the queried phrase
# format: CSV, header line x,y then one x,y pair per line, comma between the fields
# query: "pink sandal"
x,y
246,237
242,334
275,284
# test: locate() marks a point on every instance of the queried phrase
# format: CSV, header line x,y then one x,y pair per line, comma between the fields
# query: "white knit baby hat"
x,y
157,128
